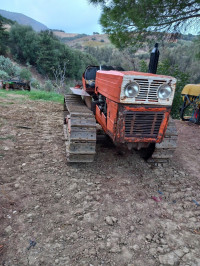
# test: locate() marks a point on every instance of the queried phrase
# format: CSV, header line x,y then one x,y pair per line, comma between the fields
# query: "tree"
x,y
130,21
49,53
3,38
60,76
24,44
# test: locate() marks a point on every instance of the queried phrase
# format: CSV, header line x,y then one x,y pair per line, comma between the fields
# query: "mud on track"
x,y
92,214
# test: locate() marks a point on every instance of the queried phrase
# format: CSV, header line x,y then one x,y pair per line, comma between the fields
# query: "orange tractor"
x,y
133,109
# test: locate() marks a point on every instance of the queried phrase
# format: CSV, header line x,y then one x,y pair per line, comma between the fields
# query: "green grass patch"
x,y
34,95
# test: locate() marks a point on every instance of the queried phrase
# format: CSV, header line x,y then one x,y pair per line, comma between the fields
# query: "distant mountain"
x,y
23,20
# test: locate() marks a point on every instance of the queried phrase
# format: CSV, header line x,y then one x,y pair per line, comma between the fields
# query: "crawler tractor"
x,y
133,109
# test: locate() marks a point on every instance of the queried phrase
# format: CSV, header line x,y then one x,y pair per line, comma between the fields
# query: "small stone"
x,y
23,164
110,220
58,195
163,241
16,185
92,251
169,259
132,228
185,250
8,229
73,187
179,252
6,149
56,261
74,235
135,247
153,251
37,207
101,246
115,249
126,254
160,249
148,237
29,215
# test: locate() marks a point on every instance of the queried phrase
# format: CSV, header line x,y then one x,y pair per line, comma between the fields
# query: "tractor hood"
x,y
135,87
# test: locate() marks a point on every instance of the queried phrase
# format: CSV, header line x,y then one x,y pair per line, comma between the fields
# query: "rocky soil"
x,y
115,211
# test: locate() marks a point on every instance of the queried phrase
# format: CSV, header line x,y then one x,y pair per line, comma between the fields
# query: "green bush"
x,y
25,74
35,84
48,86
7,66
143,66
3,75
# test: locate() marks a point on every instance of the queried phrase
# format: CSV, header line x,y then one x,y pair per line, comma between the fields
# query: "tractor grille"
x,y
148,89
143,125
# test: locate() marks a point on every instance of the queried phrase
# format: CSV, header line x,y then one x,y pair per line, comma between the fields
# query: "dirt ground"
x,y
103,213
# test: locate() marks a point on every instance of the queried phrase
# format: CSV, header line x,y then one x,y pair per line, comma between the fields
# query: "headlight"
x,y
164,91
132,89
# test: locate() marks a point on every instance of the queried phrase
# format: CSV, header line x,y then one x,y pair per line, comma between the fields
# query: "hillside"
x,y
80,41
23,20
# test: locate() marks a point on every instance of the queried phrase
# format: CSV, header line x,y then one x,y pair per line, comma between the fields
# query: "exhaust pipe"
x,y
153,63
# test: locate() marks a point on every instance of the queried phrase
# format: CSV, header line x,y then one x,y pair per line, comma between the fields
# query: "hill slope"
x,y
23,20
80,41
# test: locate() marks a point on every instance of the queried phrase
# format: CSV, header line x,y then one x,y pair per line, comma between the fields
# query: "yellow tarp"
x,y
191,89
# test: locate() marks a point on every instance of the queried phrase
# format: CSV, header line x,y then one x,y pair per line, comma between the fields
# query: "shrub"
x,y
35,84
48,86
3,75
7,66
25,74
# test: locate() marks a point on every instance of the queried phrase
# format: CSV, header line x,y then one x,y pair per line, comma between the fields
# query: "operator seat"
x,y
90,76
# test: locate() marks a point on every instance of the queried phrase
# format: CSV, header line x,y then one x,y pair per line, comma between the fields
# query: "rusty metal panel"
x,y
112,109
141,124
101,119
146,124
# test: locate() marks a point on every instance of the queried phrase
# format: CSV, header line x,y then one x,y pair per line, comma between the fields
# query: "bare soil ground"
x,y
101,213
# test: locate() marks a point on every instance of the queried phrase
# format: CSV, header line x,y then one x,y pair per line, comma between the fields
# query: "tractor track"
x,y
79,130
164,151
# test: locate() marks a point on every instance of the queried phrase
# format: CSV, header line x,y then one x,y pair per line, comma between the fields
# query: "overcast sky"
x,y
72,16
